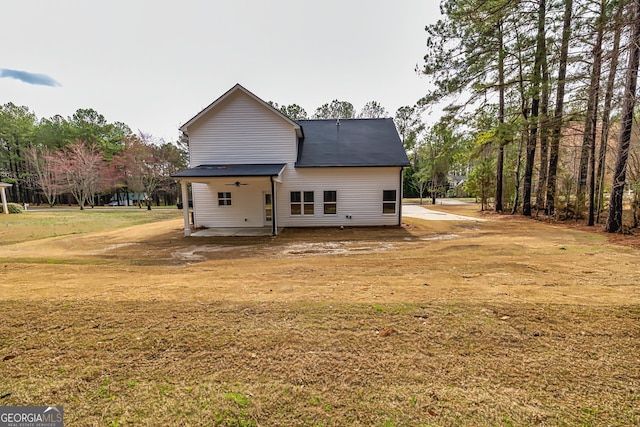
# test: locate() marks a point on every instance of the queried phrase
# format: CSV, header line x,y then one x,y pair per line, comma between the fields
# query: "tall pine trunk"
x,y
516,193
606,110
524,110
544,136
501,132
535,105
554,149
614,221
594,93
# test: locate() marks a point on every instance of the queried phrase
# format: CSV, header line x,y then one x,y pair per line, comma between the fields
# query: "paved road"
x,y
415,211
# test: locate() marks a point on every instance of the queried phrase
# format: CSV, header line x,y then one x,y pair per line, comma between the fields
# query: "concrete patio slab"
x,y
233,231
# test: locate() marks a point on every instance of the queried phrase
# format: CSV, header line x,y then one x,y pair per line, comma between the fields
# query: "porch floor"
x,y
233,231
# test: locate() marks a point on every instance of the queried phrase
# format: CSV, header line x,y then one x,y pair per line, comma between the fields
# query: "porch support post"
x,y
185,207
3,195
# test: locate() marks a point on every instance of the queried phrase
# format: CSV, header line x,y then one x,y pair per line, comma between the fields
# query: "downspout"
x,y
400,201
274,225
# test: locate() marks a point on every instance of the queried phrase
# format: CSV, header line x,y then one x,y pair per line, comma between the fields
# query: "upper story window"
x,y
224,199
389,200
330,202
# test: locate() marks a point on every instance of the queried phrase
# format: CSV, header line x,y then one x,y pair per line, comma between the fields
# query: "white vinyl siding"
x,y
247,205
359,194
241,131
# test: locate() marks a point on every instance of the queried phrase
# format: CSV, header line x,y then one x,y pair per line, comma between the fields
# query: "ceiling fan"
x,y
237,183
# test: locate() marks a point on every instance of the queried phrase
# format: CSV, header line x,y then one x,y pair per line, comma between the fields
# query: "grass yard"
x,y
506,322
40,223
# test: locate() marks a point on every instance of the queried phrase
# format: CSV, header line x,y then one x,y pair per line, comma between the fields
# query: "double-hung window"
x,y
389,200
296,203
330,202
224,199
302,202
308,202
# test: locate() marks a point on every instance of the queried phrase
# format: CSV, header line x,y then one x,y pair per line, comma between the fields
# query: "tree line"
x,y
541,92
84,159
538,99
335,109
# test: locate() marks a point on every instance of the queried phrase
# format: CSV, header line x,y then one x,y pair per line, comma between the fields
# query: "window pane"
x,y
330,196
295,209
308,209
295,196
389,195
308,196
388,208
224,199
329,208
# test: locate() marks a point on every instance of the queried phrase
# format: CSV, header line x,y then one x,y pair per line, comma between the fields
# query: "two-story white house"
x,y
253,167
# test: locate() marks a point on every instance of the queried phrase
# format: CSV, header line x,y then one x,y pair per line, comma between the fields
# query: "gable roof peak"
x,y
237,88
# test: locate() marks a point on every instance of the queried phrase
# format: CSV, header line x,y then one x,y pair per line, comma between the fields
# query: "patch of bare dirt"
x,y
510,260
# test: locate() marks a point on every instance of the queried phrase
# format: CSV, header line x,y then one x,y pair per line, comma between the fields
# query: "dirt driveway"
x,y
416,211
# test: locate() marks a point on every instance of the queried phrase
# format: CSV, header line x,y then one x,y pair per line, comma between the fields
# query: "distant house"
x,y
456,185
251,166
127,199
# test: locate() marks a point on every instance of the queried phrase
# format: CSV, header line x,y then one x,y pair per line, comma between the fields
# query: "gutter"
x,y
274,226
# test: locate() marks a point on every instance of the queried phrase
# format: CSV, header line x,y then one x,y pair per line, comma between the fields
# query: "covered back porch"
x,y
231,200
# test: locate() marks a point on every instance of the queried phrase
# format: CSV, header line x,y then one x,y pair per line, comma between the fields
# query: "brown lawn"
x,y
503,322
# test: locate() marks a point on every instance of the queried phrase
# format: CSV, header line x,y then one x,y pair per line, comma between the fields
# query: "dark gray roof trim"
x,y
352,143
214,171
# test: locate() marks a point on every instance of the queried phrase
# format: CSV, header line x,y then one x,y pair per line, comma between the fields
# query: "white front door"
x,y
268,208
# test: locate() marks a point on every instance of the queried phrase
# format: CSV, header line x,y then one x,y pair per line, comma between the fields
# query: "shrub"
x,y
14,208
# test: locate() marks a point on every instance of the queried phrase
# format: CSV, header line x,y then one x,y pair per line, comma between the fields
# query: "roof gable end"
x,y
231,92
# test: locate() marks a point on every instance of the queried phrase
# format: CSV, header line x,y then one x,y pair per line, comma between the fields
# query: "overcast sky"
x,y
155,64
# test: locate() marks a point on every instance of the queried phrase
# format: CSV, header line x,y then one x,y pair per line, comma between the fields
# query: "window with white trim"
x,y
302,202
224,198
330,202
389,201
308,203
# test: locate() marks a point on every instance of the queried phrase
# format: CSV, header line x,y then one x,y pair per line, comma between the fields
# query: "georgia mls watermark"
x,y
31,416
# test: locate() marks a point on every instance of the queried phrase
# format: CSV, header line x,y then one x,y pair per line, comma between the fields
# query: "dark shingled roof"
x,y
355,142
213,171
